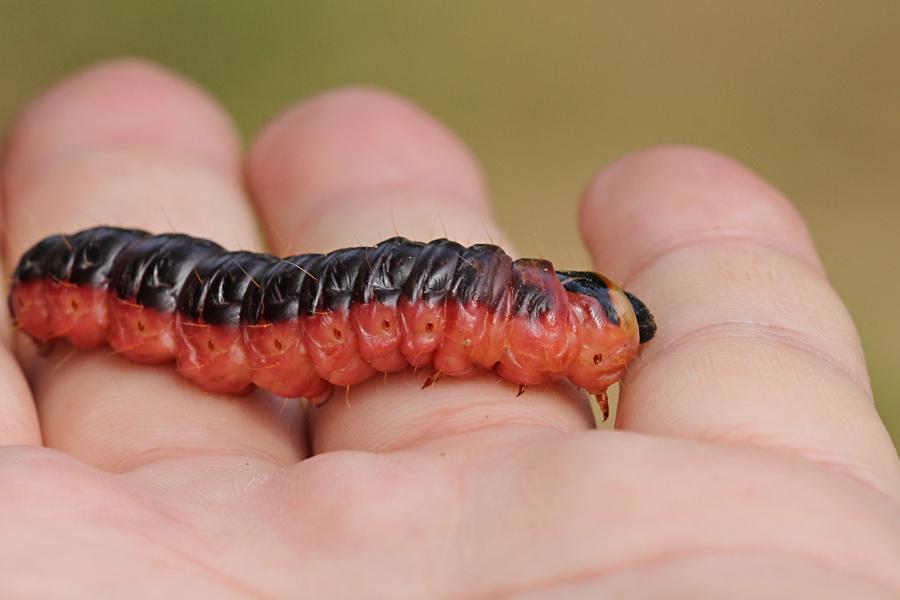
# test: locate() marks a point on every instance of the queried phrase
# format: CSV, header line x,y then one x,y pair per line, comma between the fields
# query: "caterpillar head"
x,y
611,323
646,322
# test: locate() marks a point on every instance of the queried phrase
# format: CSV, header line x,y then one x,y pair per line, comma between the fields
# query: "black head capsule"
x,y
646,322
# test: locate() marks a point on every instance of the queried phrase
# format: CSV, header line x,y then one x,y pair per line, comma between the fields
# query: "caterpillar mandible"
x,y
298,325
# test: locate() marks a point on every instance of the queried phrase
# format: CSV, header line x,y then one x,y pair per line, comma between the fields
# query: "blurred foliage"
x,y
807,93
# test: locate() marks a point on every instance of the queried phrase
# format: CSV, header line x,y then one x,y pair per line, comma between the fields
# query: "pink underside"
x,y
303,358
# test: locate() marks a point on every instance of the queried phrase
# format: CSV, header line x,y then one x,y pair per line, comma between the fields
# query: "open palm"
x,y
748,458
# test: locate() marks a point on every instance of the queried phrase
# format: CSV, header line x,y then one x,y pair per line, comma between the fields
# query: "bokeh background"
x,y
805,92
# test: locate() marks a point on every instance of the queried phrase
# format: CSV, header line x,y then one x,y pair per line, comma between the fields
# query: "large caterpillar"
x,y
295,326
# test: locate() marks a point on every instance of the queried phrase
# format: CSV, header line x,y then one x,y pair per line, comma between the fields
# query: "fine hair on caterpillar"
x,y
300,324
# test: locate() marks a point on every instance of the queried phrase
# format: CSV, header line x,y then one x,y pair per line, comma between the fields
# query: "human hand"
x,y
748,458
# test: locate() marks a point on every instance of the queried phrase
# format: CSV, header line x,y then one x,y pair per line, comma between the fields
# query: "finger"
x,y
753,344
18,419
352,168
126,143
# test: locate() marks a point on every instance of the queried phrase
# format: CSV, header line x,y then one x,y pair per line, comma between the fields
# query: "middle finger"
x,y
351,168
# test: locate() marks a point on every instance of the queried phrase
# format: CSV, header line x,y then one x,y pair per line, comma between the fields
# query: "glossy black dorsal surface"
x,y
387,267
277,298
431,277
216,291
152,270
84,258
339,276
203,281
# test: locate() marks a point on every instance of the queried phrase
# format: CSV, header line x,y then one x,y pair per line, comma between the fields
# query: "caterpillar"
x,y
299,325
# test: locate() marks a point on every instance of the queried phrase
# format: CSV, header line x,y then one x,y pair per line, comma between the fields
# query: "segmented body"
x,y
298,325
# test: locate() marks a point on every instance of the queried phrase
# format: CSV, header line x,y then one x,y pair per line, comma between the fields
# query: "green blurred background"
x,y
806,93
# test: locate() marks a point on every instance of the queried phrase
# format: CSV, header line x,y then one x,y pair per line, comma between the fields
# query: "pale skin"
x,y
748,459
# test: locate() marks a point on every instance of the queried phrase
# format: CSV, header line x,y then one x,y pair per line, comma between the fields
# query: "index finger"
x,y
753,344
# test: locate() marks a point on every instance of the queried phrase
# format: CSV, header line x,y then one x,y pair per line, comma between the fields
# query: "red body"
x,y
303,357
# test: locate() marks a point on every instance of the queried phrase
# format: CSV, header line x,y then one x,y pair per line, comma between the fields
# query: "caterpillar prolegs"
x,y
298,325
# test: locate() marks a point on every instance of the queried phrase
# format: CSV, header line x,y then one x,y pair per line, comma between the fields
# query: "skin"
x,y
747,461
